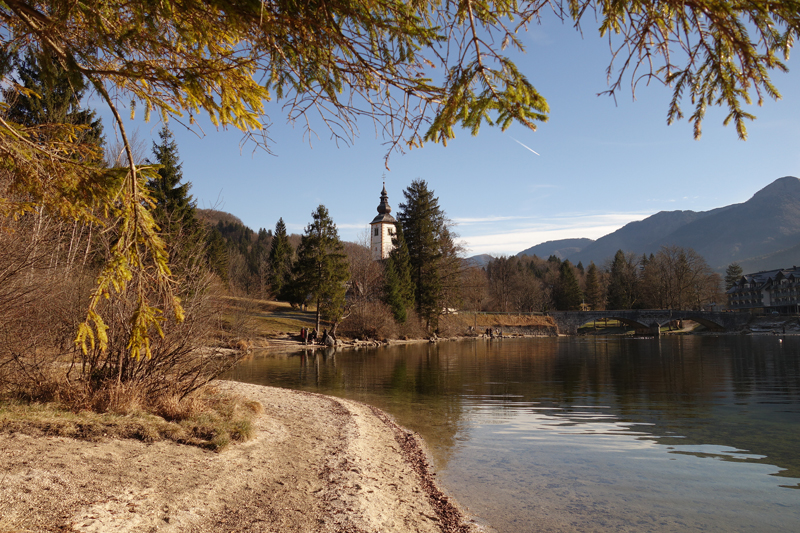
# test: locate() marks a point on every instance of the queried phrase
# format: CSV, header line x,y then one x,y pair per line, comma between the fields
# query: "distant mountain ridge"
x,y
561,248
479,261
635,236
762,231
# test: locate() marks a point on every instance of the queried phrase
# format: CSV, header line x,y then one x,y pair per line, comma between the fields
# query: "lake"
x,y
682,433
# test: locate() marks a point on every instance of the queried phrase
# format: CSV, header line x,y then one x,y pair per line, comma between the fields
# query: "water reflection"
x,y
599,434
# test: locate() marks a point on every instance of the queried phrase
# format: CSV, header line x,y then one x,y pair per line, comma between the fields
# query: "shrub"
x,y
372,320
47,272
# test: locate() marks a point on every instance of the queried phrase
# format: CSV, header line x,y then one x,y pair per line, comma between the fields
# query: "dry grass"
x,y
267,318
496,320
207,419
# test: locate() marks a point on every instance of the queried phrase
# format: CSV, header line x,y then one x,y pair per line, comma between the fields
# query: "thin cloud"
x,y
363,225
496,240
567,220
533,187
484,220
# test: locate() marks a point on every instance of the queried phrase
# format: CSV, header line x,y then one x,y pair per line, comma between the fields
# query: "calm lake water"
x,y
588,434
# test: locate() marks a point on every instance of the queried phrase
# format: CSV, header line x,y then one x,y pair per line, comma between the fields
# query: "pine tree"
x,y
425,229
733,274
280,261
52,98
594,291
175,208
622,283
451,268
217,253
553,259
398,287
568,296
321,270
175,212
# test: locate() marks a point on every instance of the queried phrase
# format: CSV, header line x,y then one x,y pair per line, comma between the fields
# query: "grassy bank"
x,y
207,419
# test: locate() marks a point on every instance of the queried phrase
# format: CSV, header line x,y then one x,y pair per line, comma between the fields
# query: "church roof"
x,y
383,210
387,219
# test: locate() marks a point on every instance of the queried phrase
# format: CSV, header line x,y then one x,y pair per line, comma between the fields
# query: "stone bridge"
x,y
646,320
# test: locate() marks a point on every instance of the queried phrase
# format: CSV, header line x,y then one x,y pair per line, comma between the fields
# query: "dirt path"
x,y
317,464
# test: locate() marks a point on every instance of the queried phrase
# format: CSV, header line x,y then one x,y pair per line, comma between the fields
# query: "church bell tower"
x,y
382,229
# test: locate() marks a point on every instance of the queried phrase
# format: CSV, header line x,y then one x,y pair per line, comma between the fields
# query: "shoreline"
x,y
288,344
316,464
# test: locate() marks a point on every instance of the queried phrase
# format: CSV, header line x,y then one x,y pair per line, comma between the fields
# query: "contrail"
x,y
528,147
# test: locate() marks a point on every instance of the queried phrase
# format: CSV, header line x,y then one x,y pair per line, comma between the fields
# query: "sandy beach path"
x,y
316,464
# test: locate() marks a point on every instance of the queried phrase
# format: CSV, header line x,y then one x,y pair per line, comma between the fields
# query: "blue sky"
x,y
601,164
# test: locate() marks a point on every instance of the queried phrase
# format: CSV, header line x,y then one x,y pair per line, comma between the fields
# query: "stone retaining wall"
x,y
535,331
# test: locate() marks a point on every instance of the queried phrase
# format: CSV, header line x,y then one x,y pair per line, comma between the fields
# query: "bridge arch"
x,y
625,320
709,323
568,322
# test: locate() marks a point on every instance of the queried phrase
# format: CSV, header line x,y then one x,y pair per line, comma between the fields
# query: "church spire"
x,y
383,207
382,229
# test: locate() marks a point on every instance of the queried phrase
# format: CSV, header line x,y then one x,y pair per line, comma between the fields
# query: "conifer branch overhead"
x,y
418,70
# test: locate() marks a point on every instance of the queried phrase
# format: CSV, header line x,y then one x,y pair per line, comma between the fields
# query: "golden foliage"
x,y
417,69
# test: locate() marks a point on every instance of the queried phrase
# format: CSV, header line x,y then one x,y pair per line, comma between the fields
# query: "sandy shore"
x,y
317,464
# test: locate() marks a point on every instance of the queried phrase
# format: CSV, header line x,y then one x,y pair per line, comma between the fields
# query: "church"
x,y
382,229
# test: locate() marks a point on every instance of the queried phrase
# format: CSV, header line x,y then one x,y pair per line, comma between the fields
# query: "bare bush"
x,y
179,360
366,316
449,327
41,280
370,320
47,273
414,327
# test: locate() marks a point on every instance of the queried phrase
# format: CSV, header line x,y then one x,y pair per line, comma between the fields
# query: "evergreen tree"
x,y
553,259
52,98
568,296
425,230
643,262
733,274
175,212
398,286
50,107
280,261
321,270
175,208
217,253
451,269
622,283
594,291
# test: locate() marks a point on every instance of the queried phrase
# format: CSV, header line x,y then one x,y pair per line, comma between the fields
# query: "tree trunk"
x,y
317,316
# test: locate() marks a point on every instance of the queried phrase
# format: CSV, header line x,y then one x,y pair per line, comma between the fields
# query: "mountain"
x,y
213,217
762,232
639,236
562,248
767,223
479,261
